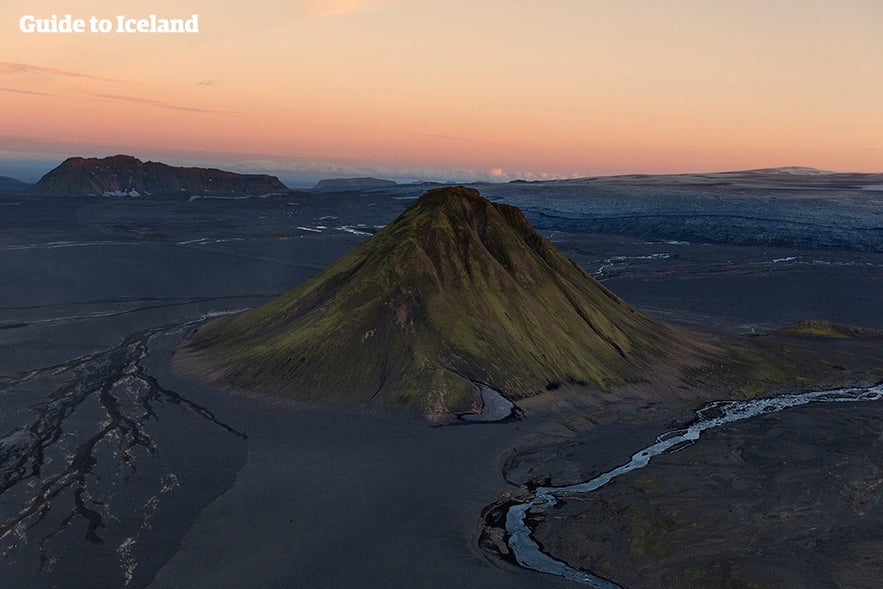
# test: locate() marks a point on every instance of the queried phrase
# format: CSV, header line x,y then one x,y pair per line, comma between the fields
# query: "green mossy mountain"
x,y
456,290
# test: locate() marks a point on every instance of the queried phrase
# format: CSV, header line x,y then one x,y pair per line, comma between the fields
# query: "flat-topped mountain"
x,y
457,290
348,184
124,175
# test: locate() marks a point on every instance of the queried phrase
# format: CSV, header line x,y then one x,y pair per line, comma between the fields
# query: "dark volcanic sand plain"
x,y
144,479
134,478
789,499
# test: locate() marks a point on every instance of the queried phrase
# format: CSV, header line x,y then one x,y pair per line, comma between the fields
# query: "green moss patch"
x,y
828,329
747,373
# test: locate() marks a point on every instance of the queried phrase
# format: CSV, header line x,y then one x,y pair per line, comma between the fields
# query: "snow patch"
x,y
207,240
349,229
121,193
796,171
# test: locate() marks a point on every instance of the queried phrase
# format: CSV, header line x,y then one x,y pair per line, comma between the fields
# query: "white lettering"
x,y
154,24
53,24
120,24
100,25
26,24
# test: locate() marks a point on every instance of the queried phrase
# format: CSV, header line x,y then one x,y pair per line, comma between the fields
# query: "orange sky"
x,y
458,89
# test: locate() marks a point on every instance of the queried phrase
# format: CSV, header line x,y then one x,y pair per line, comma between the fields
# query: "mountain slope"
x,y
124,175
455,290
11,184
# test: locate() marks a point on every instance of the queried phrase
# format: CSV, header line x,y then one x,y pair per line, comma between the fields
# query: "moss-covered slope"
x,y
828,329
457,289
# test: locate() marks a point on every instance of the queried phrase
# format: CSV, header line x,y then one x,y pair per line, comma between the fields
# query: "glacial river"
x,y
528,553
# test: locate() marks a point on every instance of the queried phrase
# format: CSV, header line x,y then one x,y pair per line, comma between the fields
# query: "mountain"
x,y
456,291
348,184
8,184
124,175
790,171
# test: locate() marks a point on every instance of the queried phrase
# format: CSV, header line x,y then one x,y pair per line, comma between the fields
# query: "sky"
x,y
453,90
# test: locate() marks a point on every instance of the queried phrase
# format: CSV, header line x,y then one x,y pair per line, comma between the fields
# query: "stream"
x,y
91,454
528,553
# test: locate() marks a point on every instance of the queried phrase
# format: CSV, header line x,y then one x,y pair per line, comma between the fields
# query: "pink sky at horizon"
x,y
498,90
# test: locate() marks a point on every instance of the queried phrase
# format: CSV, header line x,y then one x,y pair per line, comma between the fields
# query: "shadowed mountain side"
x,y
456,290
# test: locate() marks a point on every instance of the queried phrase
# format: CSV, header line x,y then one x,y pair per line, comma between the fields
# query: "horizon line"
x,y
304,171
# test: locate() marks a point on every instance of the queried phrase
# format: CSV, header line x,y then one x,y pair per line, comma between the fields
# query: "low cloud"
x,y
501,175
9,67
157,103
17,68
312,170
17,91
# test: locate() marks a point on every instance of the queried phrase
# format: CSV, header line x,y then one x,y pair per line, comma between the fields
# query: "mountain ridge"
x,y
794,174
125,175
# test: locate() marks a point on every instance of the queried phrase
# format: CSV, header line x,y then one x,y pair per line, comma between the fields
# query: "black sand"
x,y
311,498
789,499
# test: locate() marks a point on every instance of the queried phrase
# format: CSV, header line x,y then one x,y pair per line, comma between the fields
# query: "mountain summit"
x,y
456,291
124,175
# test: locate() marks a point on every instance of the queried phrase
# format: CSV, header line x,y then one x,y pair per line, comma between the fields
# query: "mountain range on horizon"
x,y
785,175
126,175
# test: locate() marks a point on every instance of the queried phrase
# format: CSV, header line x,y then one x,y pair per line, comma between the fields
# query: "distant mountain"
x,y
8,184
124,175
348,184
793,175
790,171
456,290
